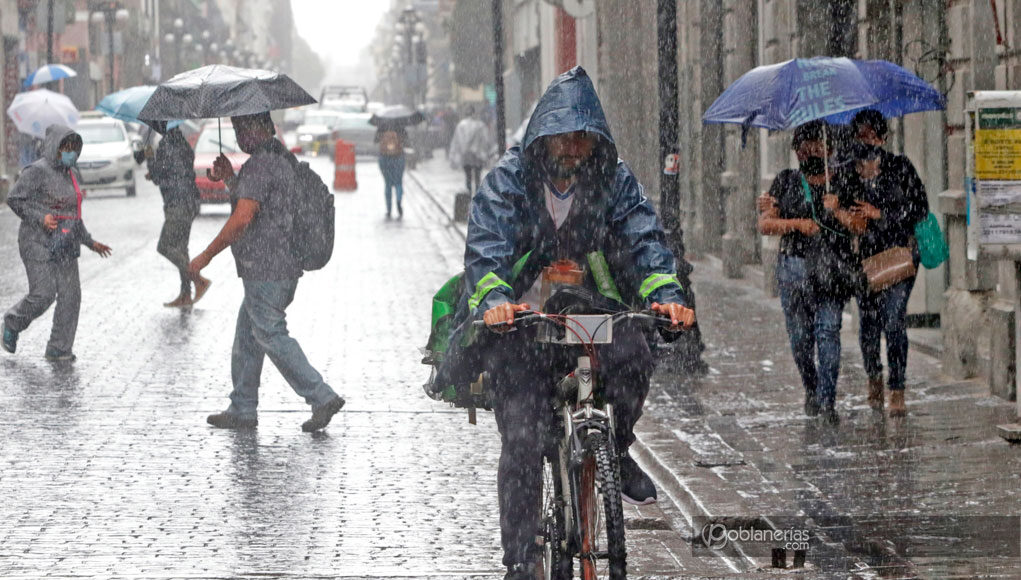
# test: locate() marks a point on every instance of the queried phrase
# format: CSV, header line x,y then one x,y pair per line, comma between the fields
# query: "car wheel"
x,y
130,190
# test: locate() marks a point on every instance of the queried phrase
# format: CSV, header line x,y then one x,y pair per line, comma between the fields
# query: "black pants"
x,y
472,172
524,374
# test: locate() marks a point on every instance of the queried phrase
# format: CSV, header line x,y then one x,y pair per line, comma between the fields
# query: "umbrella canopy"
x,y
126,104
898,91
784,95
396,116
222,91
48,73
34,111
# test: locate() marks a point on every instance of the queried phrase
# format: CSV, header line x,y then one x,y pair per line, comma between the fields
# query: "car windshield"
x,y
211,139
101,133
354,122
320,119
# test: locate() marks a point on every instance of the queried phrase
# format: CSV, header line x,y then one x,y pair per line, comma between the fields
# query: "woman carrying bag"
x,y
817,269
892,199
48,200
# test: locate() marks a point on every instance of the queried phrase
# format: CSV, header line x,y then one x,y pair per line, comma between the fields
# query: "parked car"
x,y
317,133
355,128
107,158
212,140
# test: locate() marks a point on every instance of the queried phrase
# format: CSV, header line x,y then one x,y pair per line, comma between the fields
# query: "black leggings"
x,y
472,172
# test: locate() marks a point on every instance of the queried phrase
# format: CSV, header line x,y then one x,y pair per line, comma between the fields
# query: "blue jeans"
x,y
885,313
262,331
813,322
392,167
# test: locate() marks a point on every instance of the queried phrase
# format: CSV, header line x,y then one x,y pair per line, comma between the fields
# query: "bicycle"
x,y
581,515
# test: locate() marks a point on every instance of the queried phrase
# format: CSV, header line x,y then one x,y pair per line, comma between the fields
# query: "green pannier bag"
x,y
931,244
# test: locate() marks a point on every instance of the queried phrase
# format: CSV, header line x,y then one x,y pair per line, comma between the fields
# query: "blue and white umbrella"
x,y
34,111
48,73
126,104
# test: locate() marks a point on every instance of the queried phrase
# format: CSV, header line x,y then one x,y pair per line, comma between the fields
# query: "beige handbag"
x,y
888,268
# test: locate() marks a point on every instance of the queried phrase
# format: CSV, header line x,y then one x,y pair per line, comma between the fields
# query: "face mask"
x,y
813,165
68,158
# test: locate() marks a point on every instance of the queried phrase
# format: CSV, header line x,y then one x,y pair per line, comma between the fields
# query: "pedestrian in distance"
x,y
563,196
892,198
817,269
48,200
470,148
172,169
261,236
391,142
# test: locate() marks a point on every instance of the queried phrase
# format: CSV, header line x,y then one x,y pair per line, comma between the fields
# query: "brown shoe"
x,y
201,286
897,406
876,393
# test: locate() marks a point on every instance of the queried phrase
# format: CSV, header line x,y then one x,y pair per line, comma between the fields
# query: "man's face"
x,y
568,152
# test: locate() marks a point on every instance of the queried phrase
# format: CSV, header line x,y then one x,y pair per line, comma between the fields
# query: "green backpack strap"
x,y
601,275
932,246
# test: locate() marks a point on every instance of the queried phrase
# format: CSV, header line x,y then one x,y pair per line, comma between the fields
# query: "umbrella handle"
x,y
219,135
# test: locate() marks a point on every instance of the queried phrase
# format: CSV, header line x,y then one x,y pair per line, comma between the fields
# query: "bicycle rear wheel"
x,y
556,558
603,553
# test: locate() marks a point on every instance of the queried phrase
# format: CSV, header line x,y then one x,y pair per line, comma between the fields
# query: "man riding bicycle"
x,y
563,200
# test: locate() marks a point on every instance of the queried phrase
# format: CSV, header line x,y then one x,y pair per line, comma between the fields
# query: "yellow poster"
x,y
998,154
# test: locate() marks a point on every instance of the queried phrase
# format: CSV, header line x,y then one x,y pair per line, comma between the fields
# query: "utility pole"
x,y
501,120
49,32
666,37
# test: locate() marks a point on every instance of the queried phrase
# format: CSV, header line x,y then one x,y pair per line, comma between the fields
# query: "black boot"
x,y
811,403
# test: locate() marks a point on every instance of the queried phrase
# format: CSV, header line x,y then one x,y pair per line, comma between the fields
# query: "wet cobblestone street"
x,y
108,469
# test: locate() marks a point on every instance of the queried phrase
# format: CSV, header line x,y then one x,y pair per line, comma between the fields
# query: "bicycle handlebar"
x,y
530,317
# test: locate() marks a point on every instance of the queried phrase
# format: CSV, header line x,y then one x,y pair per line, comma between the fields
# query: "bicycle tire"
x,y
557,561
607,538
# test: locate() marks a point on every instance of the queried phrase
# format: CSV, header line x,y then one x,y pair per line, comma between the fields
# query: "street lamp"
x,y
110,13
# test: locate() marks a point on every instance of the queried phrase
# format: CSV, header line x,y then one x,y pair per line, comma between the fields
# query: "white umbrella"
x,y
48,73
33,112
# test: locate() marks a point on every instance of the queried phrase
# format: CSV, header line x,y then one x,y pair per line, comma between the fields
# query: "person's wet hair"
x,y
870,118
812,131
263,119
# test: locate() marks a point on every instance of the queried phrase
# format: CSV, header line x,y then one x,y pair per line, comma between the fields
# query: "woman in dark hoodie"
x,y
46,197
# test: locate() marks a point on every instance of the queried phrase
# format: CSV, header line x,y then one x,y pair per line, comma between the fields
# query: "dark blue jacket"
x,y
610,212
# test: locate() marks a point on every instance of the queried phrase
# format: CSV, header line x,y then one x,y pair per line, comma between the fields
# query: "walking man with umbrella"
x,y
260,231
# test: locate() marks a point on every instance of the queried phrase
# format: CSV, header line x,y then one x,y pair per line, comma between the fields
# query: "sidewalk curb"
x,y
413,174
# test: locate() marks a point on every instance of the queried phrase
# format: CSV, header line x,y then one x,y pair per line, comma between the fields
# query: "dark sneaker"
x,y
227,420
637,486
811,404
830,416
54,355
321,416
10,339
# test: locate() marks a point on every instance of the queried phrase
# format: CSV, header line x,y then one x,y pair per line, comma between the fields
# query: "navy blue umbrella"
x,y
784,95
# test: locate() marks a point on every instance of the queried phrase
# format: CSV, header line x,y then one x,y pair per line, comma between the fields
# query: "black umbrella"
x,y
396,116
221,91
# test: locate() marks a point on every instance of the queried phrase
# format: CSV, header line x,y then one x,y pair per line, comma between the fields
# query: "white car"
x,y
317,133
107,158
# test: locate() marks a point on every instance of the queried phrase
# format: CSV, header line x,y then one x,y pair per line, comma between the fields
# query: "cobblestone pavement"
x,y
736,445
107,468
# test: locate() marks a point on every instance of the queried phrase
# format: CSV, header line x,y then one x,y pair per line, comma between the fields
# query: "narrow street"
x,y
109,469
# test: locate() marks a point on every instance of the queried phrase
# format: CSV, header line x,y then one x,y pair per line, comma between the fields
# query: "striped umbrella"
x,y
48,73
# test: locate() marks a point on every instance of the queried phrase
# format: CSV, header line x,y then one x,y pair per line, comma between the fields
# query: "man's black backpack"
x,y
314,217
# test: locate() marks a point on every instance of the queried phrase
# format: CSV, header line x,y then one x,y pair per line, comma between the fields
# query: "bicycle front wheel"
x,y
603,553
556,561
